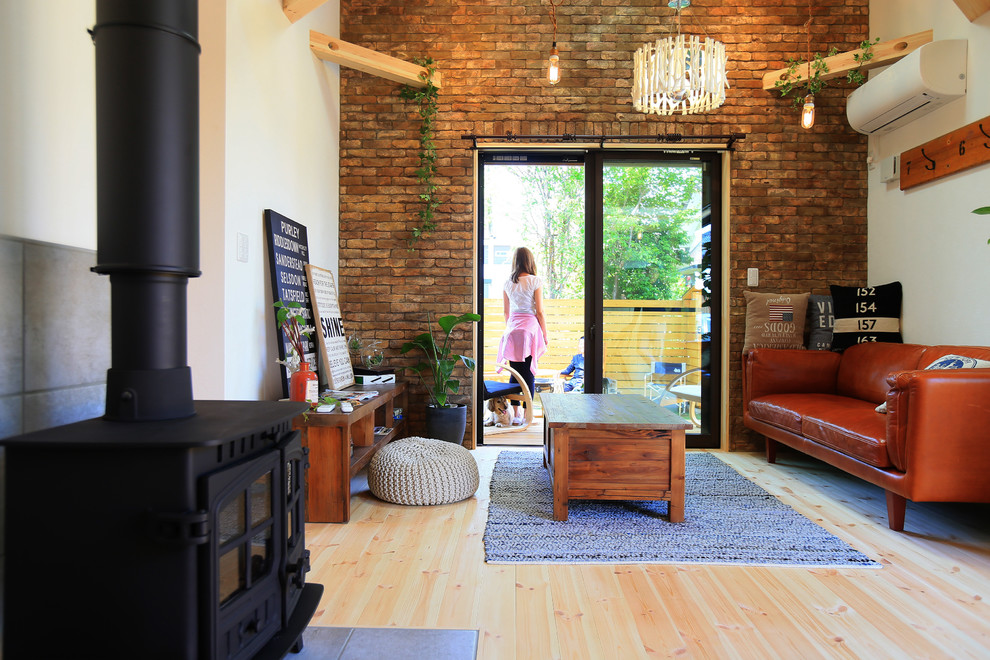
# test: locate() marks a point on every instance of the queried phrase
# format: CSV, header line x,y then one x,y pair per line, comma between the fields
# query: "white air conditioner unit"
x,y
923,80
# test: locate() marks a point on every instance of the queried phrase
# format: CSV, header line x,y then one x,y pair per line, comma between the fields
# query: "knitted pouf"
x,y
422,471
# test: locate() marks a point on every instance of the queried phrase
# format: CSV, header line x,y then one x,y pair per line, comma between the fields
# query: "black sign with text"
x,y
288,254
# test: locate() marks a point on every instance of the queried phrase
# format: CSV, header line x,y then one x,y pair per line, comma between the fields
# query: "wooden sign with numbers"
x,y
956,151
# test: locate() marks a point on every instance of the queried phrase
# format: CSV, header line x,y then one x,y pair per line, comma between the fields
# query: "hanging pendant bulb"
x,y
808,112
553,62
553,66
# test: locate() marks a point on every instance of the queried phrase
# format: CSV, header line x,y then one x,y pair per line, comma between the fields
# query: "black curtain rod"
x,y
665,138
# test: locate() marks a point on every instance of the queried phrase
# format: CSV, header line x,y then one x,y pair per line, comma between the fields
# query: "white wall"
x,y
269,139
927,237
282,125
47,122
206,344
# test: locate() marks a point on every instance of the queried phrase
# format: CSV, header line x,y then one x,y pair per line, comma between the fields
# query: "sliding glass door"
x,y
656,317
534,201
627,245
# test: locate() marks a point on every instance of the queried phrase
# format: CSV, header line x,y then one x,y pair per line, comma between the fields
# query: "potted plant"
x,y
444,420
303,383
983,210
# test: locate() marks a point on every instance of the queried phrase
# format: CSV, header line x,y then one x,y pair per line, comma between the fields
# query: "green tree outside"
x,y
651,213
553,225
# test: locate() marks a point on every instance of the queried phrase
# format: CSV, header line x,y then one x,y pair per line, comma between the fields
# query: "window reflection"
x,y
261,499
261,554
232,574
232,519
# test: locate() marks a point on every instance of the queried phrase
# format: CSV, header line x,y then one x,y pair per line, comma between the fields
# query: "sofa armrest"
x,y
938,429
788,371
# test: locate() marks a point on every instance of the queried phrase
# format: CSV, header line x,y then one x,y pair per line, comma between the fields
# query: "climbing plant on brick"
x,y
426,100
813,82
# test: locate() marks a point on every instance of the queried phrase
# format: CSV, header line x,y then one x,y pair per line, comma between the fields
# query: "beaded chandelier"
x,y
679,74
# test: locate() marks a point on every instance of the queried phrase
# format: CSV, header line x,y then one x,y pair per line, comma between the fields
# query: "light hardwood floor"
x,y
424,567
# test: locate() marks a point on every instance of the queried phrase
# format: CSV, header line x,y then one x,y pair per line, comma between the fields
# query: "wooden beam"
x,y
884,53
367,60
296,9
973,8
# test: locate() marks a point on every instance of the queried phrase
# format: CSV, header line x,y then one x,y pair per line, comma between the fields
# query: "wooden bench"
x,y
330,436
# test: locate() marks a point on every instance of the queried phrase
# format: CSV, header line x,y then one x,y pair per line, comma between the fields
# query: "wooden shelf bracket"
x,y
884,53
973,9
350,55
296,9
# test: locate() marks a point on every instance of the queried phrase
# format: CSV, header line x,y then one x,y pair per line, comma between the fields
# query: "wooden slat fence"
x,y
636,333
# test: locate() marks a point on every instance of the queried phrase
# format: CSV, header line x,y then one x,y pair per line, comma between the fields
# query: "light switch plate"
x,y
890,169
752,277
242,247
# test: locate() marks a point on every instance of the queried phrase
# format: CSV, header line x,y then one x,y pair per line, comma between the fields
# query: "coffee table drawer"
x,y
613,447
621,465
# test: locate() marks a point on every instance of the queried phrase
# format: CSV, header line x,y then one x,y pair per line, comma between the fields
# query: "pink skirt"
x,y
522,338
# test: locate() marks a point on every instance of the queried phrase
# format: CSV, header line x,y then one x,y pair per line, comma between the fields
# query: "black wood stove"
x,y
168,539
169,528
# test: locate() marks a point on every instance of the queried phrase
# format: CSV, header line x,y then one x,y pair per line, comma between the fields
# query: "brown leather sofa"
x,y
932,445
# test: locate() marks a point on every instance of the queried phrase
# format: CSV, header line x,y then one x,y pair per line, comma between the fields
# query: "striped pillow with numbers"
x,y
866,314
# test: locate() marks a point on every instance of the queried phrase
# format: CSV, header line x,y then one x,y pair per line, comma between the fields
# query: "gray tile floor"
x,y
324,643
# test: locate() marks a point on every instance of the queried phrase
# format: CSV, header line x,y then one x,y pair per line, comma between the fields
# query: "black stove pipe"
x,y
147,145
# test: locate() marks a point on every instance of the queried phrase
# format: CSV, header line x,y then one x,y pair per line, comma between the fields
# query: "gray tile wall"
x,y
11,336
54,336
54,339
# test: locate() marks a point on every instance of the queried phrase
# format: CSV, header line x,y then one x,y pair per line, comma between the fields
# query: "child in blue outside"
x,y
575,370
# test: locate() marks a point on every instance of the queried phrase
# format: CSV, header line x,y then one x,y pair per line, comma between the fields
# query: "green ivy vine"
x,y
426,100
856,76
790,80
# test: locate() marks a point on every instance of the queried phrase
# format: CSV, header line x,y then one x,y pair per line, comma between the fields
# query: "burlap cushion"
x,y
422,471
775,320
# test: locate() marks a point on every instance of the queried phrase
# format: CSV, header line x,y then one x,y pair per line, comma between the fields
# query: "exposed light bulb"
x,y
808,112
553,66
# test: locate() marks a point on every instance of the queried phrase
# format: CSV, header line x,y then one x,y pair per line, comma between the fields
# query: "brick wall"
x,y
798,198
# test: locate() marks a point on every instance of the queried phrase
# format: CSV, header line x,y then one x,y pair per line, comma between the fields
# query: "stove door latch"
x,y
296,573
188,528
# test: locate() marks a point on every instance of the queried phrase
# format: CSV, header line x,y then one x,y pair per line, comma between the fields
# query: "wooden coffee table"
x,y
613,447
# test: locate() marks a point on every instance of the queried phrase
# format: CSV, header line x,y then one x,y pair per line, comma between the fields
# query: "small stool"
x,y
423,471
543,384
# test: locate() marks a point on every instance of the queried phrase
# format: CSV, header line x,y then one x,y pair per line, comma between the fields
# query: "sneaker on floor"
x,y
518,421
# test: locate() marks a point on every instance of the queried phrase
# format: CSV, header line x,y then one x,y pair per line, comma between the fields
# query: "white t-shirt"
x,y
522,294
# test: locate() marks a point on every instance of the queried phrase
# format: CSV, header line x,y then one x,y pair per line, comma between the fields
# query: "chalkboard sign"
x,y
288,254
330,328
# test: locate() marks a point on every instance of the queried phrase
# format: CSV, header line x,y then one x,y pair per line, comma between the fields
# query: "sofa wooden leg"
x,y
895,511
771,451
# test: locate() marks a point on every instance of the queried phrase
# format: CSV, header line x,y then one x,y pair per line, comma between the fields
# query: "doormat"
x,y
727,520
325,643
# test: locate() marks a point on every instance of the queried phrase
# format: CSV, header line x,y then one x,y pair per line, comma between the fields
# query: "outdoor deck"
x,y
636,334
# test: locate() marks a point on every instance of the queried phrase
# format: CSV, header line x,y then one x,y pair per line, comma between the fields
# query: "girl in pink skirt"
x,y
525,338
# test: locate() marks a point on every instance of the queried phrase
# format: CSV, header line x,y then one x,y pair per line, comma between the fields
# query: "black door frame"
x,y
594,161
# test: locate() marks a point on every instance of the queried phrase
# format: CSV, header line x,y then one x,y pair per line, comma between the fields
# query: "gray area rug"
x,y
728,520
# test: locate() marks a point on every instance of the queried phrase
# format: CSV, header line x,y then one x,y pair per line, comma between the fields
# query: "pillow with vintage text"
x,y
820,321
866,314
775,320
